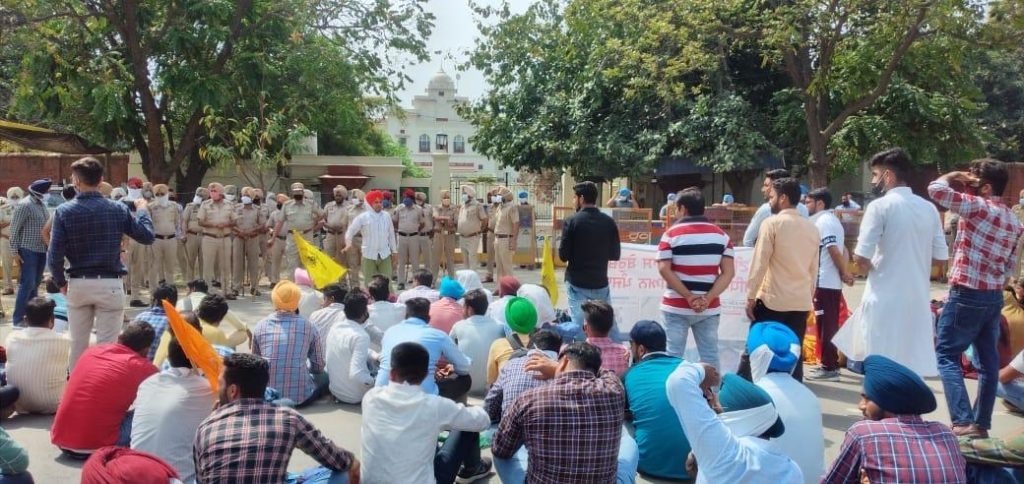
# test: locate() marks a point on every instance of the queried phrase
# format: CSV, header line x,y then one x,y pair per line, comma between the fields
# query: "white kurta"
x,y
804,438
901,234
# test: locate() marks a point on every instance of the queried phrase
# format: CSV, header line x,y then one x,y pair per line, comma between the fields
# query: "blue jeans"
x,y
23,478
970,317
984,474
32,266
317,475
578,296
1012,392
705,332
513,469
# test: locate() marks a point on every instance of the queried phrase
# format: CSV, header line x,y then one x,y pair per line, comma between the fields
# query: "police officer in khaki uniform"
x,y
298,214
275,242
166,221
408,219
354,257
335,214
216,217
471,222
426,259
444,237
192,234
506,233
14,196
263,204
249,224
492,211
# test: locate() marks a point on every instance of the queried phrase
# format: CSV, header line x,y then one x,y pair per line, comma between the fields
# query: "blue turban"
x,y
451,288
40,187
772,347
896,388
522,194
624,192
748,410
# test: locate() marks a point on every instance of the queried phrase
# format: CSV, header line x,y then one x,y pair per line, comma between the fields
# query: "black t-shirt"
x,y
589,240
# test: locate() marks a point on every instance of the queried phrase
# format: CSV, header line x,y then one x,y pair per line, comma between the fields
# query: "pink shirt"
x,y
445,313
614,356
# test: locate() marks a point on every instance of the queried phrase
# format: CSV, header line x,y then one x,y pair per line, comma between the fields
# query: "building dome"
x,y
441,82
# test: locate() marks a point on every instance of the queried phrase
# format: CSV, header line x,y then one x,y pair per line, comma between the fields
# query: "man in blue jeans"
x,y
984,256
27,245
590,239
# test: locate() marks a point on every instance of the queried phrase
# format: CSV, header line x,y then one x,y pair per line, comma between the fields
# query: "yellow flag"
x,y
322,269
547,271
199,351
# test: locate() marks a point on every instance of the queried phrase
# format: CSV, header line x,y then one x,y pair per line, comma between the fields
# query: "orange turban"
x,y
374,196
286,295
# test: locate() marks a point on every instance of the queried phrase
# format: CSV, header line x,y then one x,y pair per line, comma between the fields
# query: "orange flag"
x,y
199,351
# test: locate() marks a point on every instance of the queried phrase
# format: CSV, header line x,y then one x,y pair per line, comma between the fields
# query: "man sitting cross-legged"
x,y
37,360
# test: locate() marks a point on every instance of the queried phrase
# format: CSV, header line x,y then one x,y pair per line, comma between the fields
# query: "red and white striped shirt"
x,y
696,247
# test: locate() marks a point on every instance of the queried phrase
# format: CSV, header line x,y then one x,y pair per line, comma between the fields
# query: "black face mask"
x,y
878,189
279,206
257,201
297,198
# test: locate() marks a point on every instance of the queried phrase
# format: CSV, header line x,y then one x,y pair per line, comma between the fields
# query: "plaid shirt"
x,y
903,449
986,238
157,318
512,381
88,231
250,440
287,340
571,427
27,226
614,356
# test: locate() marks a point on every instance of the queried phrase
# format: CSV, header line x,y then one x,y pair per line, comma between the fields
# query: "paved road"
x,y
342,422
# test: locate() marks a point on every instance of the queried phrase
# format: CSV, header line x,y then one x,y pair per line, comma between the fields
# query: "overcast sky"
x,y
454,34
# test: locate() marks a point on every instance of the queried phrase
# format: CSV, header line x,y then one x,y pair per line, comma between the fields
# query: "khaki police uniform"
x,y
137,266
335,222
276,252
409,221
492,214
472,217
505,233
302,217
354,257
193,242
216,244
444,241
266,208
6,257
426,236
249,224
166,221
180,240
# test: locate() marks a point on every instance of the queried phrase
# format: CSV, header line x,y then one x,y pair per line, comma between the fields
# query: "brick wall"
x,y
21,169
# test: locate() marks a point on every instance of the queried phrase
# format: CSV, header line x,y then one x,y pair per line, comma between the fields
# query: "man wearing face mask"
x,y
266,209
426,236
471,221
231,194
249,224
506,233
136,253
353,259
192,235
216,217
900,237
275,252
409,221
444,236
165,225
379,248
527,235
14,196
298,214
334,223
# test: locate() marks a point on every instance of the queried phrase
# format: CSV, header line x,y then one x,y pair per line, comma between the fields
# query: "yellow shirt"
x,y
211,333
501,352
784,271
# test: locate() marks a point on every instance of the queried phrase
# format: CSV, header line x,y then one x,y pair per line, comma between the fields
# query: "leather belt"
x,y
193,232
474,234
447,232
94,276
427,233
280,237
335,232
502,236
214,236
164,237
408,234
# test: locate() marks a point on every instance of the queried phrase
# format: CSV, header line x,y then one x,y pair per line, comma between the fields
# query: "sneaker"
x,y
823,375
467,476
136,303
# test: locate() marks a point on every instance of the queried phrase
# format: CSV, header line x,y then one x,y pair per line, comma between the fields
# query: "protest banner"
x,y
637,288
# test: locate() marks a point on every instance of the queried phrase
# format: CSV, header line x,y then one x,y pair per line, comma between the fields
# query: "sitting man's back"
x,y
37,360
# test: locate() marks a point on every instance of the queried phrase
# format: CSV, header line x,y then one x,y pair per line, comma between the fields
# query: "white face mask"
x,y
134,194
229,198
161,199
496,199
197,199
246,200
465,198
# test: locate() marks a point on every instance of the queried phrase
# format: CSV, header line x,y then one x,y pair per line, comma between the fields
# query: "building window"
x,y
440,93
459,144
424,144
442,143
442,120
403,141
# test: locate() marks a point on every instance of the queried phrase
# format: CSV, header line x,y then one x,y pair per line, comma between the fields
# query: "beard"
x,y
775,207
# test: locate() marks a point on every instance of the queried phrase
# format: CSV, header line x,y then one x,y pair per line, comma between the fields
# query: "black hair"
x,y
599,315
379,288
409,361
198,285
583,356
39,311
138,336
356,304
477,301
692,199
51,287
423,277
334,292
777,174
546,340
587,190
821,195
250,373
68,192
418,307
212,308
895,160
992,172
790,187
165,292
89,171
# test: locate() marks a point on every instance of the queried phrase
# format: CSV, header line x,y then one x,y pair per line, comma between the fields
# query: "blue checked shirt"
x,y
157,318
513,380
27,226
288,340
88,230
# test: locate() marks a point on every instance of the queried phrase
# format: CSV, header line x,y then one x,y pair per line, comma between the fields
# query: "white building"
x,y
433,125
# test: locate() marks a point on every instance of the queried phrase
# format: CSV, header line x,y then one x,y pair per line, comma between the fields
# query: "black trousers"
x,y
795,320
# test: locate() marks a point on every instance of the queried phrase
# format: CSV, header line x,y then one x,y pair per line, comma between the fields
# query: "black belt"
x,y
335,232
164,237
193,232
428,233
94,276
502,236
474,234
280,237
214,236
408,234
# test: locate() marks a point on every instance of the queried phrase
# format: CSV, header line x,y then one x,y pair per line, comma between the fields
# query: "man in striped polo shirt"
x,y
695,258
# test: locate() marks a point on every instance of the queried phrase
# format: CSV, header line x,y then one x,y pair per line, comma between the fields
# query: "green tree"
x,y
144,74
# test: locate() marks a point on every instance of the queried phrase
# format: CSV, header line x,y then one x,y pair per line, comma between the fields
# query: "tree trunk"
x,y
741,182
819,159
190,175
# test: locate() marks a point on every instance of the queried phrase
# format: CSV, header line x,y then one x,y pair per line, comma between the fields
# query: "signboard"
x,y
637,287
